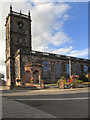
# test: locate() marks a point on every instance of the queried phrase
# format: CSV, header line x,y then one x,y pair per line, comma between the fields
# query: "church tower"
x,y
18,36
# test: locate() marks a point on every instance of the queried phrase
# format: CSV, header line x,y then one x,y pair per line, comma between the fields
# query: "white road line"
x,y
57,99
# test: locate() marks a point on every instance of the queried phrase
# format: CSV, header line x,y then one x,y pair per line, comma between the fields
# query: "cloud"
x,y
74,51
79,53
66,17
69,51
43,1
60,38
12,1
61,51
48,20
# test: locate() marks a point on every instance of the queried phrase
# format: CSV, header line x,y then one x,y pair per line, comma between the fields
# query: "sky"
x,y
60,28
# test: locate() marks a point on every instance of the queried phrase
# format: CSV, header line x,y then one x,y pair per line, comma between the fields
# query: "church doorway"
x,y
36,76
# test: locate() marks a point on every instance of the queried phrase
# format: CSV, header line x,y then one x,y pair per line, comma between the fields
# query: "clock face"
x,y
20,26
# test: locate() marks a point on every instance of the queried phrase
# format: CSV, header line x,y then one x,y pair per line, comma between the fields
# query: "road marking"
x,y
84,98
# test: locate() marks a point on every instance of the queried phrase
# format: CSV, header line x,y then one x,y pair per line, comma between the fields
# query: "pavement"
x,y
44,92
12,108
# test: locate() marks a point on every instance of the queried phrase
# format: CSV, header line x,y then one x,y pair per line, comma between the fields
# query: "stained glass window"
x,y
67,68
85,69
77,69
58,70
82,68
45,69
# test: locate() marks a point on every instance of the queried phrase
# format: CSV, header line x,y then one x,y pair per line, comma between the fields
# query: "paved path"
x,y
44,92
14,109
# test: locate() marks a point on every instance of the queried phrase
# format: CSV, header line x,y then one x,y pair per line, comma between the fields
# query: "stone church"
x,y
26,65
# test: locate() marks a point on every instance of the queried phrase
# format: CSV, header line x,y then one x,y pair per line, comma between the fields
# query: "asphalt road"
x,y
60,106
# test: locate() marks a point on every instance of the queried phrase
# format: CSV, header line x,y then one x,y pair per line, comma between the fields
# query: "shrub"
x,y
79,81
63,78
86,82
83,78
58,81
64,81
88,77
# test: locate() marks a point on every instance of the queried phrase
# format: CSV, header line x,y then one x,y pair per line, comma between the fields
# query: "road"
x,y
74,105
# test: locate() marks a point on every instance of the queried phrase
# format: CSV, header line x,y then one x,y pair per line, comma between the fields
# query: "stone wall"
x,y
52,61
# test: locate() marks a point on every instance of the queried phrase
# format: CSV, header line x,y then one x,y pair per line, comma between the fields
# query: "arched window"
x,y
82,68
57,70
85,69
77,69
45,69
27,76
68,69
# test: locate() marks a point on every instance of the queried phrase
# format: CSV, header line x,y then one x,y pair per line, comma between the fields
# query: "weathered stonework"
x,y
27,65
